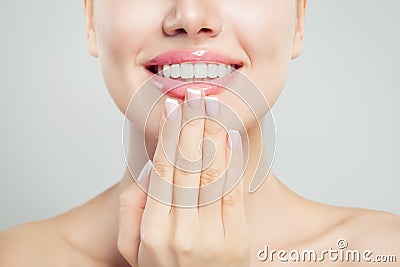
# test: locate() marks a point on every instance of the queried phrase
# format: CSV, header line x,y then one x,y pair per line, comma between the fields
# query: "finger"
x,y
188,155
160,186
212,177
188,168
132,204
233,214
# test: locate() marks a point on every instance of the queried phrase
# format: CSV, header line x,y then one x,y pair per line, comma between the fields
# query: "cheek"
x,y
121,36
122,28
267,36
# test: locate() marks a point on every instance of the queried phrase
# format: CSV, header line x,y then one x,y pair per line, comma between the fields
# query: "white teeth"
x,y
221,70
212,71
229,69
175,71
186,71
166,71
200,71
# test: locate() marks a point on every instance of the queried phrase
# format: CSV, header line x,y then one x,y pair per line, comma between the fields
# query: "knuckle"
x,y
230,199
209,255
151,241
181,171
193,123
162,169
209,175
181,245
212,128
185,167
211,251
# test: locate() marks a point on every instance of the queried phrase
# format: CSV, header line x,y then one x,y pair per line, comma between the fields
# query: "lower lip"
x,y
177,88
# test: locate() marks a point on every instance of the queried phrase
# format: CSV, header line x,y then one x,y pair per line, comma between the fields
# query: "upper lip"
x,y
192,56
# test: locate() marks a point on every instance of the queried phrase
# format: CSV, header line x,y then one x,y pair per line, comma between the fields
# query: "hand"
x,y
158,231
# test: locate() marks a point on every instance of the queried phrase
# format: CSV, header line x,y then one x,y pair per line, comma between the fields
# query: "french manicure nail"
x,y
234,138
212,106
193,98
144,172
171,108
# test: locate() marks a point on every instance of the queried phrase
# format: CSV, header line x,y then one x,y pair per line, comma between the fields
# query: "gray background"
x,y
337,118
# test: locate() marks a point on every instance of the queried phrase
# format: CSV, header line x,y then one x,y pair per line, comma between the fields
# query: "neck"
x,y
92,228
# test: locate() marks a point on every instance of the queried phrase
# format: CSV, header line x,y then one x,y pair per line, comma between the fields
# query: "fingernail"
x,y
144,172
212,106
193,97
170,108
234,138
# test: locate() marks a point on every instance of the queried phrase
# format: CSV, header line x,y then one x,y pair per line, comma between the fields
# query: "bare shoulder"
x,y
31,244
376,227
359,236
375,232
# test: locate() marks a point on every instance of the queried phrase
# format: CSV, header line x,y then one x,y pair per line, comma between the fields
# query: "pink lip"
x,y
177,88
192,55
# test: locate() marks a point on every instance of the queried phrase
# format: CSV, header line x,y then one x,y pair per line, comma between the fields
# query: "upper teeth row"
x,y
197,70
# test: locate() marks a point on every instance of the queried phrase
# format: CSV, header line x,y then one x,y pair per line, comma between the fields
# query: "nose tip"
x,y
193,18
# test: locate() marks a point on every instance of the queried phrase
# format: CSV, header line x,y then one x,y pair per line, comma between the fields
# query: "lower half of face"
x,y
150,50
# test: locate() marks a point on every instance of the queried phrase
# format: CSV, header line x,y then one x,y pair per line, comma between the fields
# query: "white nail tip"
x,y
212,106
195,92
145,171
211,98
234,137
172,101
170,108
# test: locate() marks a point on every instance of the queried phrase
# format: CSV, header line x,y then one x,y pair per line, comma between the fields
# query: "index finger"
x,y
160,185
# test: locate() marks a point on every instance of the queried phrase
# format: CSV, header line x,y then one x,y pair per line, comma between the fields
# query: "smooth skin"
x,y
123,226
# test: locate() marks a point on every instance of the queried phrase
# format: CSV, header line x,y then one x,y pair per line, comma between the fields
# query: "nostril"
x,y
184,32
177,32
206,30
180,31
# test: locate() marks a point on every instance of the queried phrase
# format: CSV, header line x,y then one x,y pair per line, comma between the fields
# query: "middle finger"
x,y
212,177
188,161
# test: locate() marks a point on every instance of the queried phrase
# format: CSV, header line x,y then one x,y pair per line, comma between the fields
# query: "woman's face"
x,y
260,37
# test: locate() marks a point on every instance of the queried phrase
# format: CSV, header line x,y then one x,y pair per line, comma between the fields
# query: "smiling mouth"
x,y
174,71
198,71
